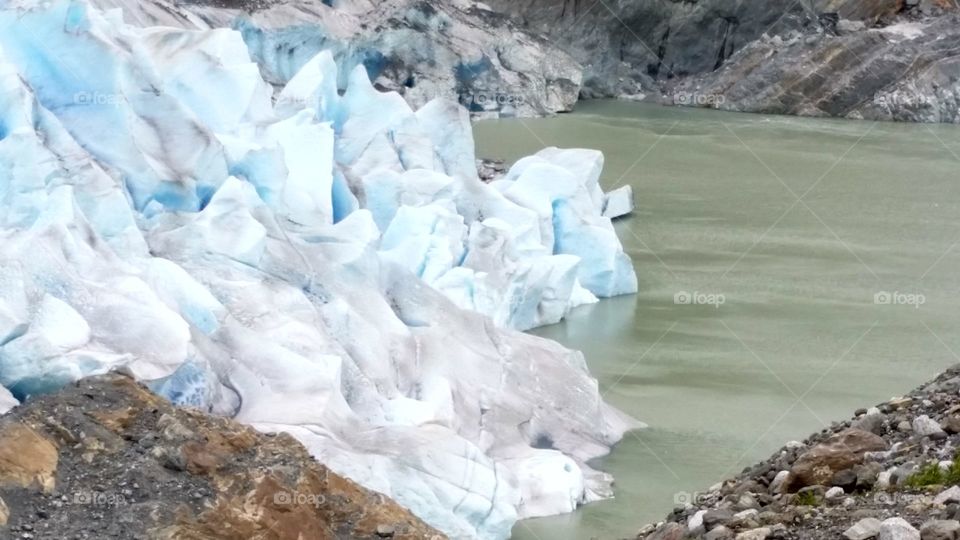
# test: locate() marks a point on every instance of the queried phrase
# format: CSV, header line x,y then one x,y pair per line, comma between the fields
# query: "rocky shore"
x,y
105,458
892,472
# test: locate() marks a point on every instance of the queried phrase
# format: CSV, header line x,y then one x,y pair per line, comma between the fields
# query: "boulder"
x,y
940,530
863,529
27,459
898,529
146,466
720,533
756,534
924,426
669,531
717,516
842,451
951,495
951,424
779,481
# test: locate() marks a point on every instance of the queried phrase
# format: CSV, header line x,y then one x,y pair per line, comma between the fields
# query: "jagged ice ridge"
x,y
309,259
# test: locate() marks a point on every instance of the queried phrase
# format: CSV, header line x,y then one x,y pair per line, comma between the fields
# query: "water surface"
x,y
796,225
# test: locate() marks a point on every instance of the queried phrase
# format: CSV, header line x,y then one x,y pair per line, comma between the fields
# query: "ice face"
x,y
325,265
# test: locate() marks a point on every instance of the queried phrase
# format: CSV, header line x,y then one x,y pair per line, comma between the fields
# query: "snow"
x,y
327,265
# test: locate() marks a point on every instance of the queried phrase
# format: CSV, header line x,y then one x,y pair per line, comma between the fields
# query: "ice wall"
x,y
323,264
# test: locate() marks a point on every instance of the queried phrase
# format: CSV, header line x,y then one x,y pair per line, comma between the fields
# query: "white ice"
x,y
619,202
323,264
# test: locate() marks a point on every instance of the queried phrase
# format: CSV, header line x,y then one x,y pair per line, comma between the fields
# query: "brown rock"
x,y
840,452
156,471
27,459
670,531
951,424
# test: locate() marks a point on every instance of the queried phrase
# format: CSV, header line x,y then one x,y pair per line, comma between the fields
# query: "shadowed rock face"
x,y
105,458
879,59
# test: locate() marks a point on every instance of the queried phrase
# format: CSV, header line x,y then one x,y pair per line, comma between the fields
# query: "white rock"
x,y
950,495
898,529
863,529
884,479
776,486
925,426
695,521
755,534
834,492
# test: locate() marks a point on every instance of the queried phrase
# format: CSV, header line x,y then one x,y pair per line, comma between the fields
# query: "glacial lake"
x,y
820,264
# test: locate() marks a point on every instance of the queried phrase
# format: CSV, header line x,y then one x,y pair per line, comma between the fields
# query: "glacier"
x,y
316,258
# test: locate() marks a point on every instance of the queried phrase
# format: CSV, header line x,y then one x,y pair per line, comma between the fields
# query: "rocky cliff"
x,y
105,458
883,59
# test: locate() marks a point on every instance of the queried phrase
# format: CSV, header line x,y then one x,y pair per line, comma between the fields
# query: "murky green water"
x,y
799,340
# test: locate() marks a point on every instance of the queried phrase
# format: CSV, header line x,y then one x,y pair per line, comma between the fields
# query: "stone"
x,y
925,426
669,531
4,513
940,530
898,529
719,533
871,422
833,493
756,534
951,495
717,516
885,479
867,475
842,451
951,424
779,482
695,522
845,26
27,459
845,479
863,529
746,501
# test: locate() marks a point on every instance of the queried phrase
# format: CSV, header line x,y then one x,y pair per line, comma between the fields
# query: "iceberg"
x,y
303,261
619,202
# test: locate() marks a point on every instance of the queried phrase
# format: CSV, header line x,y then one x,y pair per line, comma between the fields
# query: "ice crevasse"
x,y
310,259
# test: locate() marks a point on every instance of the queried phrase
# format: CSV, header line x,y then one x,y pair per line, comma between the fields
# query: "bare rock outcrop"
x,y
105,458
